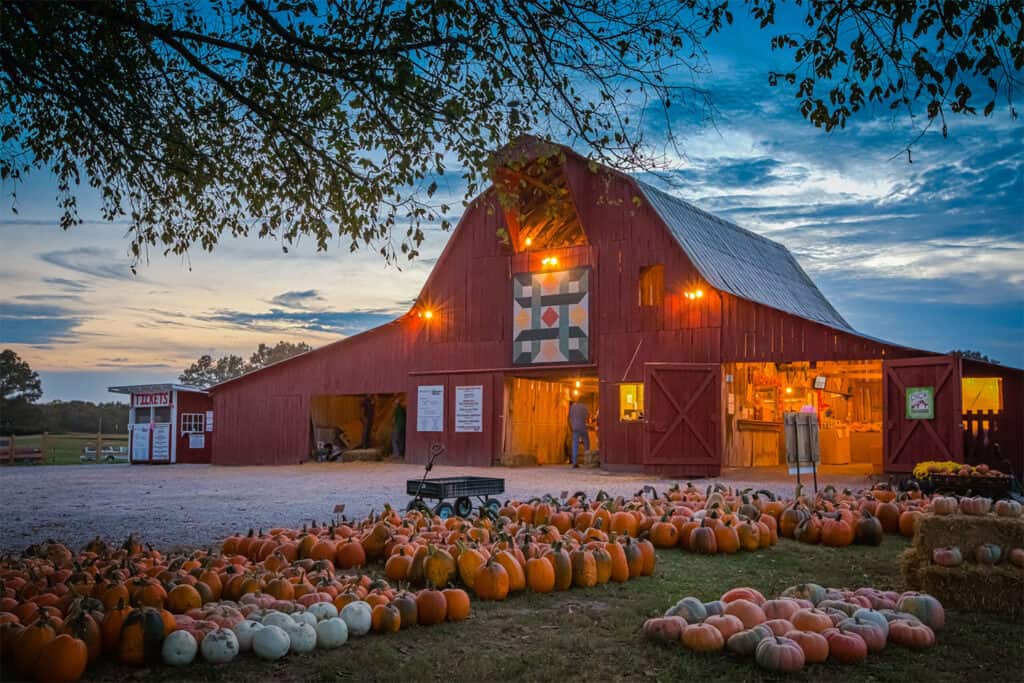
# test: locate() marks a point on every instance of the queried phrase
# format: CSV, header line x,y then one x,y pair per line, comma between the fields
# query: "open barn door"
x,y
922,411
682,424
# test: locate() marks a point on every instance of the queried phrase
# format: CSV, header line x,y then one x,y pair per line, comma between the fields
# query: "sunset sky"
x,y
928,254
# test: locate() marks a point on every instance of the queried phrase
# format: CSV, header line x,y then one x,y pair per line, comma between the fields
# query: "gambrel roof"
x,y
741,262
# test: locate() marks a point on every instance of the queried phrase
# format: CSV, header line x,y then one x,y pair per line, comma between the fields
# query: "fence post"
x,y
42,447
99,447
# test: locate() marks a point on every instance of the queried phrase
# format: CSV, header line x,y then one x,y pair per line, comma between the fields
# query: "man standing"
x,y
398,432
578,417
369,408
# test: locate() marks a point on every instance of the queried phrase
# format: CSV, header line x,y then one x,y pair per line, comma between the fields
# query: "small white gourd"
x,y
244,631
270,643
219,646
358,617
331,633
179,648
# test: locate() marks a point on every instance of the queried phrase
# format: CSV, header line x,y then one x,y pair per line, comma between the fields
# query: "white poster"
x,y
196,440
469,409
140,442
161,441
430,408
209,420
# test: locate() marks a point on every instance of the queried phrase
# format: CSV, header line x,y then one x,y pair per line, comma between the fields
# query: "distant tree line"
x,y
208,370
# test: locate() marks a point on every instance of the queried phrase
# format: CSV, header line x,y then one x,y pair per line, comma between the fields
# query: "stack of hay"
x,y
970,586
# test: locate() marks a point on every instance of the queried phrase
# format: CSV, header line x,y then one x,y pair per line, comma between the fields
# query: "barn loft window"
x,y
192,423
538,206
982,394
631,402
652,285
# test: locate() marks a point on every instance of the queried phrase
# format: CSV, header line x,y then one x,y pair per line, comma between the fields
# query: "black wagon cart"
x,y
462,489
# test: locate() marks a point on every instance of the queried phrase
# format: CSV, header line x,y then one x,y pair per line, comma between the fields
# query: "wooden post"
x,y
42,446
99,445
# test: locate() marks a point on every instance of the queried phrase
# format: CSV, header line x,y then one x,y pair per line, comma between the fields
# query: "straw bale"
x,y
967,532
976,588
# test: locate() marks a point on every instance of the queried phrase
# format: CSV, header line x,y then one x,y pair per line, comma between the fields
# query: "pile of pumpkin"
x,y
535,546
988,554
806,624
61,611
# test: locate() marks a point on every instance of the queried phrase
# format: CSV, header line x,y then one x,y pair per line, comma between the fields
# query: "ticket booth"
x,y
168,423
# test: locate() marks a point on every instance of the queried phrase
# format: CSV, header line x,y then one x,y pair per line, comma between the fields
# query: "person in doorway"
x,y
579,416
398,432
369,408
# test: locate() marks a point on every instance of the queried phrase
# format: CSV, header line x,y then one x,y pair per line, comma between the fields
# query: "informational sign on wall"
x,y
209,420
160,398
430,408
140,442
162,441
469,409
920,403
196,440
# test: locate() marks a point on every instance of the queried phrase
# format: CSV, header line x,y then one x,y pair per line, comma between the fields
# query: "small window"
x,y
141,416
982,394
631,402
652,285
193,423
162,415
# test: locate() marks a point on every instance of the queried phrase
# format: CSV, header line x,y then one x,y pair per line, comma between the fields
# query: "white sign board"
x,y
162,441
196,440
140,442
209,420
430,408
469,409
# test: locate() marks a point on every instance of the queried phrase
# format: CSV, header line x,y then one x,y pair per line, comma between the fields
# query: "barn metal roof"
x,y
741,262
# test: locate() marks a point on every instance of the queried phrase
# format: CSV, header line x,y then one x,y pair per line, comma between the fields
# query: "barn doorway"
x,y
339,423
845,395
537,419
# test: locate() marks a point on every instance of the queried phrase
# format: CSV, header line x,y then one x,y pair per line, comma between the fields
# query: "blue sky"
x,y
927,254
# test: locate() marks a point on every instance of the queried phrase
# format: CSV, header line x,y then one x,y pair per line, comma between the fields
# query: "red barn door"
x,y
907,442
682,427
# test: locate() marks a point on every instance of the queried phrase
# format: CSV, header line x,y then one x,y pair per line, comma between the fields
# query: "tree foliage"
x,y
971,354
338,119
207,371
18,381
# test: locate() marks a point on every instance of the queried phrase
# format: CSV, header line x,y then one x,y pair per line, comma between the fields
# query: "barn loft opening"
x,y
539,211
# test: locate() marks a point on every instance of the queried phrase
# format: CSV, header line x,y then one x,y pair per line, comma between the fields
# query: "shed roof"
x,y
741,262
155,388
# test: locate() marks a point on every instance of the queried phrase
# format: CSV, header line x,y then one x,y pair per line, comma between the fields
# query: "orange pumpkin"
x,y
142,635
182,598
62,660
31,642
457,603
540,575
492,581
431,607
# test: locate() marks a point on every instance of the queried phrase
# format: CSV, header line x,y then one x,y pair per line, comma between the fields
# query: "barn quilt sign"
x,y
551,317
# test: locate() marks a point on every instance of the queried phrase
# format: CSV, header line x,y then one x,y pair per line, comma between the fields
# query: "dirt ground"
x,y
193,505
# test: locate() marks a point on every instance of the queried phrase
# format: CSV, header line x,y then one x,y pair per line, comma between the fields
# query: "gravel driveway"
x,y
200,504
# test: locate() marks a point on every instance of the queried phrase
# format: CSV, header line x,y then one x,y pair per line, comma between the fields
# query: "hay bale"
x,y
967,532
969,587
976,588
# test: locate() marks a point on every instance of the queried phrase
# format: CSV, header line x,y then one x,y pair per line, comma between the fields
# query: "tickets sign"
x,y
159,398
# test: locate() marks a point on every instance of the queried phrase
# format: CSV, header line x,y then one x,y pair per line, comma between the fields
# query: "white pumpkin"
x,y
179,648
331,633
358,617
303,638
271,642
219,646
322,610
244,631
305,618
279,619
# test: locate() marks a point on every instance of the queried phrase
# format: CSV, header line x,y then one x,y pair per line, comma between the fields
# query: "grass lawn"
x,y
594,634
66,449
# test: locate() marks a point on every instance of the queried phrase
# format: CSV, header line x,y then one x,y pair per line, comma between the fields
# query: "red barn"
x,y
686,336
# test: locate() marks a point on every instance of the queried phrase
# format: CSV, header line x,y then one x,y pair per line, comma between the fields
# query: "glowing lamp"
x,y
528,241
789,390
575,392
694,294
427,314
577,384
549,261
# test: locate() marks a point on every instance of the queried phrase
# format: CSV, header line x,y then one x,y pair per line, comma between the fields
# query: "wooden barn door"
x,y
906,441
682,425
